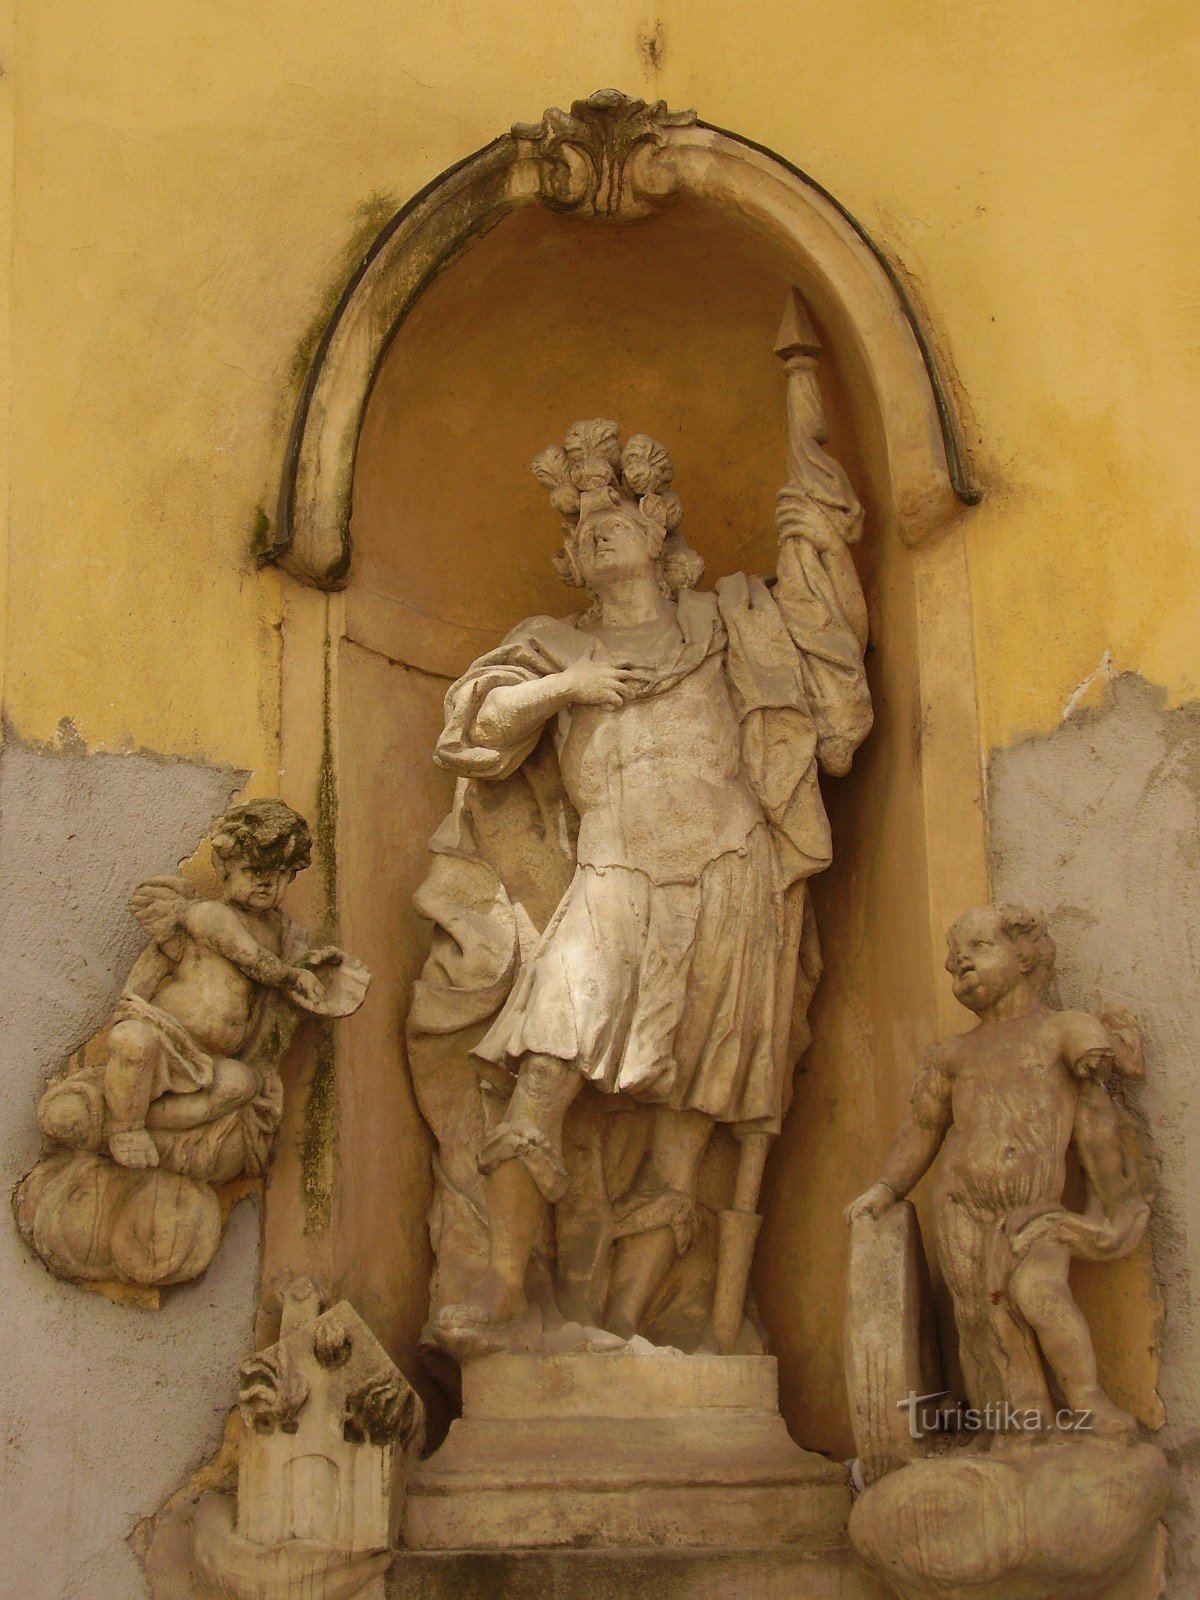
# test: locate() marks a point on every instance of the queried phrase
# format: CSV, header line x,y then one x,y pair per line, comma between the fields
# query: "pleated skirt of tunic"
x,y
663,992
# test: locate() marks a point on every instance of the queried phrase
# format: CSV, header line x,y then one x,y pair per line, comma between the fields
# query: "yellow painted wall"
x,y
1031,167
190,184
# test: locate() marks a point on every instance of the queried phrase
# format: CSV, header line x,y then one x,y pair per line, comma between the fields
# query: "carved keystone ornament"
x,y
603,156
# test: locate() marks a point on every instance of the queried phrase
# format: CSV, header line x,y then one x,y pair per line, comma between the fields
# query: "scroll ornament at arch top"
x,y
604,156
615,157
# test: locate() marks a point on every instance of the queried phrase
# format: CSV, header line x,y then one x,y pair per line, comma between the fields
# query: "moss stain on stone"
x,y
327,807
261,544
319,1134
370,218
318,1137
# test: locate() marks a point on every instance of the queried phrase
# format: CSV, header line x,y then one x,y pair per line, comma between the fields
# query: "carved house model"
x,y
324,1410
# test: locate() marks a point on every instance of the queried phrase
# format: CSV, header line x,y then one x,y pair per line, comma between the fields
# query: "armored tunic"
x,y
659,974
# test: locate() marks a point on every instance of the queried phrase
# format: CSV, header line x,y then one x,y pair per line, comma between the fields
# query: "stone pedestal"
x,y
615,1448
782,1573
620,1473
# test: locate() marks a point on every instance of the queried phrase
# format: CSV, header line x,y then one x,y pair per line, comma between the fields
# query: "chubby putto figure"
x,y
1003,1104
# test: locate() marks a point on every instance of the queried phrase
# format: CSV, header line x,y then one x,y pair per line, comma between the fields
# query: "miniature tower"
x,y
330,1429
324,1409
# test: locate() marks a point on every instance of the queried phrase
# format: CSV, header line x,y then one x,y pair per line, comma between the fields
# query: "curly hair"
x,y
1028,935
635,478
266,834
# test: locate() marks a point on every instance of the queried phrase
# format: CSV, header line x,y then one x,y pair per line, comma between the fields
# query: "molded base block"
x,y
632,1574
624,1448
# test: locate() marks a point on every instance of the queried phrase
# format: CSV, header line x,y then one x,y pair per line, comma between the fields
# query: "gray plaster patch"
x,y
1098,825
107,1408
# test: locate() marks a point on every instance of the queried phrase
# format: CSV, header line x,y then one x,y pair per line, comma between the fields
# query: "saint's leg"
x,y
522,1163
658,1219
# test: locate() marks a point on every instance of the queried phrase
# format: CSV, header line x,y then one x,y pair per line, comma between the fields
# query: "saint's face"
x,y
256,888
982,961
609,548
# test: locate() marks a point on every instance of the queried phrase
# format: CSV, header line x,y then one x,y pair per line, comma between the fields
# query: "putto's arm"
x,y
911,1156
1117,1210
1097,1141
919,1139
214,924
147,972
818,518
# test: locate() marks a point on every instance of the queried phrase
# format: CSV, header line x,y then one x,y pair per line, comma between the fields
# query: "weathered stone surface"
x,y
891,1343
75,828
1059,1522
1099,819
700,1574
329,1426
328,1430
616,1449
637,805
615,155
1065,1505
643,305
1004,1104
183,1093
231,1567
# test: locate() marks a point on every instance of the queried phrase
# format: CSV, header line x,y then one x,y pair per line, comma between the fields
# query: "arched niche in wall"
x,y
620,261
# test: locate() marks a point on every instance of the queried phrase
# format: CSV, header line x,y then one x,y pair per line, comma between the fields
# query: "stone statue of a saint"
x,y
620,897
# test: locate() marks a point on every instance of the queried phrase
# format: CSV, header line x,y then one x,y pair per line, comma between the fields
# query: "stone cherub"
x,y
188,1091
634,936
1004,1103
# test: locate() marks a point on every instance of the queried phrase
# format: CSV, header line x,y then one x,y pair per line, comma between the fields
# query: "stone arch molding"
x,y
613,156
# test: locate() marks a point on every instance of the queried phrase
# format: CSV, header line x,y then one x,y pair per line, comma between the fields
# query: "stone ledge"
x,y
638,1573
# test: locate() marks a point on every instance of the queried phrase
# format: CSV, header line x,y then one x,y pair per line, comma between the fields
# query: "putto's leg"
x,y
234,1084
129,1077
658,1218
966,1250
1041,1292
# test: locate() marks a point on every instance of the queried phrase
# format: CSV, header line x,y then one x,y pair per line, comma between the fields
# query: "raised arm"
x,y
818,518
1117,1210
1097,1141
